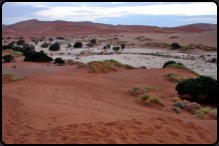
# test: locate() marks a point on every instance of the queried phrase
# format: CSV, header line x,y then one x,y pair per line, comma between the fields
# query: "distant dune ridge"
x,y
36,27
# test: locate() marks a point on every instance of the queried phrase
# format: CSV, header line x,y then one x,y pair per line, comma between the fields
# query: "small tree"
x,y
116,48
50,39
36,42
78,45
175,45
93,41
122,46
54,47
59,61
198,88
8,58
108,46
168,62
20,42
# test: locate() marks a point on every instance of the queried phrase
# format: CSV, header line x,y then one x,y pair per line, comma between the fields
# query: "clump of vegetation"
x,y
148,101
54,47
164,96
144,96
45,45
60,38
14,66
8,58
175,45
77,45
181,66
201,115
59,61
135,90
174,37
11,77
79,65
179,104
155,100
36,56
215,113
93,41
20,42
207,91
176,109
174,99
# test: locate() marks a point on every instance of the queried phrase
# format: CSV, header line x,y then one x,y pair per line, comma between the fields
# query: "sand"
x,y
67,105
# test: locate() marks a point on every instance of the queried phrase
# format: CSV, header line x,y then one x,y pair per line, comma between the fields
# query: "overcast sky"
x,y
162,14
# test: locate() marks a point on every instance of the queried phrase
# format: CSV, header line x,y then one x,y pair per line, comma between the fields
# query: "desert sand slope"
x,y
35,26
79,107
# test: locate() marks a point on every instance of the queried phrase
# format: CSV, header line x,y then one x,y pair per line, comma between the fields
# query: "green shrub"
x,y
201,87
79,65
59,61
93,41
77,45
54,47
215,113
8,58
20,42
164,96
181,66
168,62
201,114
156,100
14,66
174,99
175,45
144,96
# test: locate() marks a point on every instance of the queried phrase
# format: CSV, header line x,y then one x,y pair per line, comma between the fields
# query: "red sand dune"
x,y
63,27
79,107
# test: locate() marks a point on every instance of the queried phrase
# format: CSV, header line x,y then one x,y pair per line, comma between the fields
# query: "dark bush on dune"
x,y
36,56
59,61
116,48
168,62
175,45
8,58
78,45
54,47
20,42
200,88
93,41
44,45
60,38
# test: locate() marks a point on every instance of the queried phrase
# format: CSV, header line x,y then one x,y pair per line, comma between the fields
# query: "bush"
x,y
174,99
20,42
168,62
59,61
50,39
122,46
176,109
79,65
201,87
175,45
60,38
156,100
8,58
93,41
116,48
54,47
45,45
36,56
78,45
